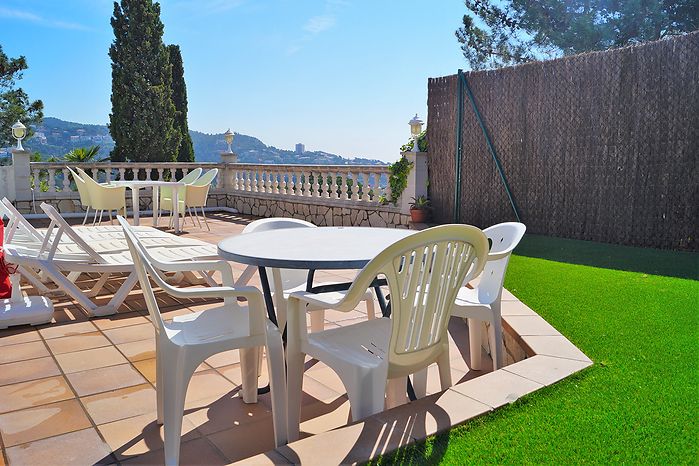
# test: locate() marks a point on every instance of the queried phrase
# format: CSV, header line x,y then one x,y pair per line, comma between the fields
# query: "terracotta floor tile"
x,y
34,393
268,458
147,368
90,359
226,412
23,351
79,342
546,369
245,440
497,388
224,359
66,329
328,378
433,384
120,404
120,320
138,350
43,421
81,447
22,334
21,371
348,444
206,385
131,333
321,417
104,379
558,346
195,452
139,435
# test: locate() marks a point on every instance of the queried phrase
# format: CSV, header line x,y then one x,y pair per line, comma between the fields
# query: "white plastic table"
x,y
308,249
135,187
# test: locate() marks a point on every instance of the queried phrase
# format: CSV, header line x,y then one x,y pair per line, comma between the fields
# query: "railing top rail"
x,y
300,167
126,164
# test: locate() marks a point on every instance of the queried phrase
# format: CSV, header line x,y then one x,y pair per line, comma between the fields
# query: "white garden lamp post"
x,y
415,130
19,131
228,136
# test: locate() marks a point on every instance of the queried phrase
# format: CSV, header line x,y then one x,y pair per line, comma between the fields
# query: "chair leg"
x,y
474,340
496,345
174,392
317,320
277,382
248,369
370,309
444,366
420,383
366,390
159,381
203,214
94,219
111,219
87,211
100,221
294,374
396,394
197,216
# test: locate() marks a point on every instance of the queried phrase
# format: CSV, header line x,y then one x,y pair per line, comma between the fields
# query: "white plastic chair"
x,y
82,191
165,202
184,343
104,197
424,272
197,193
286,281
483,303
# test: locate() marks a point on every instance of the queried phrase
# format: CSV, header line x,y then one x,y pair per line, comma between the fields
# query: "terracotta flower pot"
x,y
419,215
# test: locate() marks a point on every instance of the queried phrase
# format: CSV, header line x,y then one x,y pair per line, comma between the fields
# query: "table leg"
x,y
135,204
176,207
156,205
269,304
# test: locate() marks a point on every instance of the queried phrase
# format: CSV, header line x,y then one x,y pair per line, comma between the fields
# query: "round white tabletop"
x,y
145,183
310,248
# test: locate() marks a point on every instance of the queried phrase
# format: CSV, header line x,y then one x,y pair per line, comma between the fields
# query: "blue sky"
x,y
344,76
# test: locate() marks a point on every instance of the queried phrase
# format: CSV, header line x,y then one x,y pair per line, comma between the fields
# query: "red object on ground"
x,y
5,285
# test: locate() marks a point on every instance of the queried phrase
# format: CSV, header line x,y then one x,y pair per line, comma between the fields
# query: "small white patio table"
x,y
324,248
135,187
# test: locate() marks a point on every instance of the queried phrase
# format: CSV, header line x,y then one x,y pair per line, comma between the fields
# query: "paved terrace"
x,y
82,391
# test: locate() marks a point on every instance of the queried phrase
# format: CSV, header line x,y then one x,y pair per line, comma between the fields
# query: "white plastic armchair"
x,y
197,193
373,358
166,192
286,281
82,191
184,343
483,303
103,197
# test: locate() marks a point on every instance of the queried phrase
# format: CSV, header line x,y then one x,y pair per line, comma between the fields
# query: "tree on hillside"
x,y
498,33
142,122
14,102
185,152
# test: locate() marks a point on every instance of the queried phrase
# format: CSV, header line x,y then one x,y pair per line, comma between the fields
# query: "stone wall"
x,y
316,211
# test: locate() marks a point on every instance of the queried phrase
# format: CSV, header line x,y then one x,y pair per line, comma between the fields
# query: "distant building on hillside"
x,y
300,148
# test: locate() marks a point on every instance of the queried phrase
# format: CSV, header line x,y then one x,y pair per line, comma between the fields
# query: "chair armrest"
x,y
251,294
199,266
331,300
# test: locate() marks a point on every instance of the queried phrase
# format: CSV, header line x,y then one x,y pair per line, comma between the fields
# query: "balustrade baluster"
x,y
284,189
275,182
161,174
365,187
66,179
307,188
355,187
333,185
315,189
343,187
122,174
291,185
52,180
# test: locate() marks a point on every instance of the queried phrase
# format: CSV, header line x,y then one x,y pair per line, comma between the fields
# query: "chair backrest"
x,y
504,237
82,188
290,278
51,241
17,223
424,272
207,178
144,269
90,184
189,178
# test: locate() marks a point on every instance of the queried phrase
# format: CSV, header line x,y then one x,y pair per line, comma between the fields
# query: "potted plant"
x,y
420,209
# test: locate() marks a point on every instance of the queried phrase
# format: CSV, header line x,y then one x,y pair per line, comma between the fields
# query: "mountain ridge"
x,y
54,137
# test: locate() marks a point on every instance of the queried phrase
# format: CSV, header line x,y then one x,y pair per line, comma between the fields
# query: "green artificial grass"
x,y
634,312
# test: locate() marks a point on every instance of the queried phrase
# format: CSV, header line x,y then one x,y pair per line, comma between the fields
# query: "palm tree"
x,y
84,155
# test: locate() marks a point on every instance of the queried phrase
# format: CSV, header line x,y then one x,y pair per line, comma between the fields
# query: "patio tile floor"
x,y
82,390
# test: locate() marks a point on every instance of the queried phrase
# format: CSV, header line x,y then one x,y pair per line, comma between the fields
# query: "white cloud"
x,y
320,23
22,15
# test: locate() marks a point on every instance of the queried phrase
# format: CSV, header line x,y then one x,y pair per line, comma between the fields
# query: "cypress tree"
x,y
143,113
185,152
